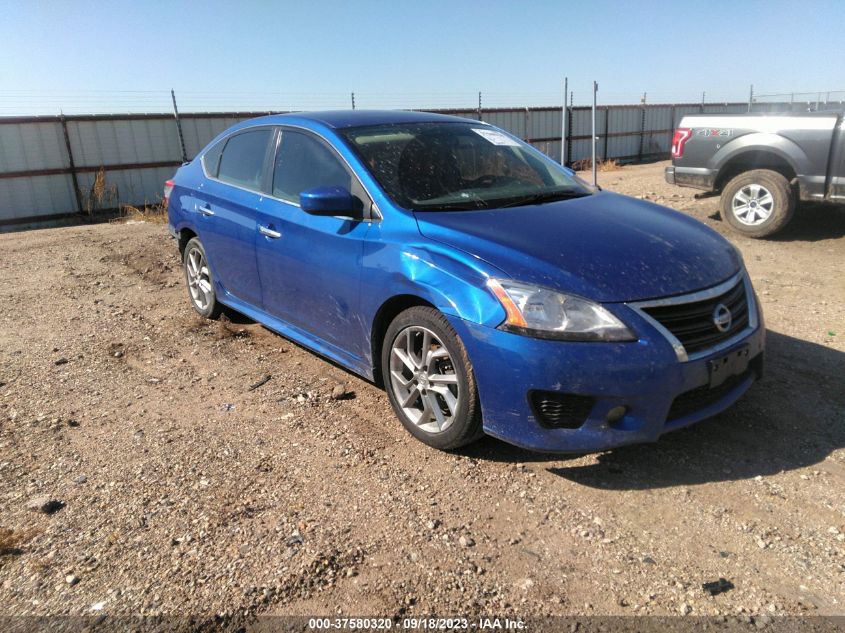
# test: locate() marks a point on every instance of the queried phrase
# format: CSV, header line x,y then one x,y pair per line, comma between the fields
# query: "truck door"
x,y
837,168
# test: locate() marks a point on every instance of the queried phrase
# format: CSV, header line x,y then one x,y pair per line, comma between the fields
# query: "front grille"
x,y
702,397
692,323
560,410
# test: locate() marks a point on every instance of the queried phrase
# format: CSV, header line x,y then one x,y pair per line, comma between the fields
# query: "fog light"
x,y
615,414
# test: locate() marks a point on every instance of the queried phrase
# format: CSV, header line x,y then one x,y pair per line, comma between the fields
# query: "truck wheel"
x,y
758,203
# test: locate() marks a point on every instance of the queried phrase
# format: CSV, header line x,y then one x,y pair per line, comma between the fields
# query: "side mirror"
x,y
330,201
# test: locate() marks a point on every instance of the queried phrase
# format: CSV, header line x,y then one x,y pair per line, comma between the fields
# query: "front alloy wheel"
x,y
423,378
429,379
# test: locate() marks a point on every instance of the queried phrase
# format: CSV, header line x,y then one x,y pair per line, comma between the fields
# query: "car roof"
x,y
354,118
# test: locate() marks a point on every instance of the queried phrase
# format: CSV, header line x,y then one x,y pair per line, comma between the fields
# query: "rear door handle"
x,y
269,232
206,211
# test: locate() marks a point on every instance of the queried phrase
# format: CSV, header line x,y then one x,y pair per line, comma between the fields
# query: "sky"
x,y
120,56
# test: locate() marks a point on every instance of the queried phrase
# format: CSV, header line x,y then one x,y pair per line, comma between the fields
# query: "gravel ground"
x,y
139,474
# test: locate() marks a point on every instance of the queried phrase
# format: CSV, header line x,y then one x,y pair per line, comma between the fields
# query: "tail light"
x,y
681,136
168,189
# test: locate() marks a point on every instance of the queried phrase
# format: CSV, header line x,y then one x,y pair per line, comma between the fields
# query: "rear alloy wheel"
x,y
758,203
199,280
429,380
752,205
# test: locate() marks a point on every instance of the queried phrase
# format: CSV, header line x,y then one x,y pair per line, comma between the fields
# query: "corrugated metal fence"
x,y
52,168
57,168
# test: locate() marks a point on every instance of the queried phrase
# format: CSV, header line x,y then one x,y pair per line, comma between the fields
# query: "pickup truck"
x,y
761,164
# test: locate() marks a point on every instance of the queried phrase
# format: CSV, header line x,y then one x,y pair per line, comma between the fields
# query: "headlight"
x,y
545,313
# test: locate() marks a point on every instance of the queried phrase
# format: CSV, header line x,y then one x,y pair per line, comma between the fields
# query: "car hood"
x,y
605,246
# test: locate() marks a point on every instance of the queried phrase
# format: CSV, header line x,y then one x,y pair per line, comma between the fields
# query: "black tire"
x,y
782,207
210,308
465,426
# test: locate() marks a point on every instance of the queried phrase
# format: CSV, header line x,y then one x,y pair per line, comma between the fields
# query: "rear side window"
x,y
302,163
242,162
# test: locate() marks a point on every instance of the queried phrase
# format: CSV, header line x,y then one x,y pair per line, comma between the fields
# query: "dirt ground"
x,y
182,491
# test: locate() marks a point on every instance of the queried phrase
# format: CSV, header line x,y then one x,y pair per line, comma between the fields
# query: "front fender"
x,y
452,281
453,286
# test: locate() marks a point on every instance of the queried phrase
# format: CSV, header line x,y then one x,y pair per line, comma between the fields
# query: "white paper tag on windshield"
x,y
496,137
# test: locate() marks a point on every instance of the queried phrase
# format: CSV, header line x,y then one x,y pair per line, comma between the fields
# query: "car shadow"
x,y
236,317
793,418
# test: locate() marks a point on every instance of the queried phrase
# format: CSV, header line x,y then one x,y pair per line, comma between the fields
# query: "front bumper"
x,y
645,376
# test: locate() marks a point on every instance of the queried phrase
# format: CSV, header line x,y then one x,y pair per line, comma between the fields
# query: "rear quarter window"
x,y
211,159
242,161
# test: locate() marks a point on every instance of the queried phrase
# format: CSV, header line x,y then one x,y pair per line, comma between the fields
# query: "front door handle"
x,y
269,232
206,211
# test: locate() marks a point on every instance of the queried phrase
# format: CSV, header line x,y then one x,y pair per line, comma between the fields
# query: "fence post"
x,y
672,127
642,128
179,127
563,148
77,194
593,138
606,128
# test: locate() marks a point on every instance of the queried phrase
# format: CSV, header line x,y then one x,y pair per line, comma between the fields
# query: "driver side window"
x,y
303,162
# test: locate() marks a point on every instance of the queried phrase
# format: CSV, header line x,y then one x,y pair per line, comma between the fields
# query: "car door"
x,y
309,265
227,210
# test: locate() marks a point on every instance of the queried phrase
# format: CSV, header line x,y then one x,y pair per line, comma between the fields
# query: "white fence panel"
x,y
140,152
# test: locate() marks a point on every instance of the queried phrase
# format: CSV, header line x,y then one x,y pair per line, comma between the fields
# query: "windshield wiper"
x,y
463,205
545,196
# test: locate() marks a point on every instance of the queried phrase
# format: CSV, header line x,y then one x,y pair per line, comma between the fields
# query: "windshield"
x,y
439,166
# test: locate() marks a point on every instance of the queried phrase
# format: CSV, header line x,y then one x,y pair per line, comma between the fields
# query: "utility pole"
x,y
569,137
750,97
479,105
593,140
353,100
563,147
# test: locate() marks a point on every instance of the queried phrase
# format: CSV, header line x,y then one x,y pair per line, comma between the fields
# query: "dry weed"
x,y
101,195
11,541
585,164
153,213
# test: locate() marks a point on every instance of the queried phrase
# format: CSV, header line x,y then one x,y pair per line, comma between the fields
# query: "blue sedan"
x,y
486,287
